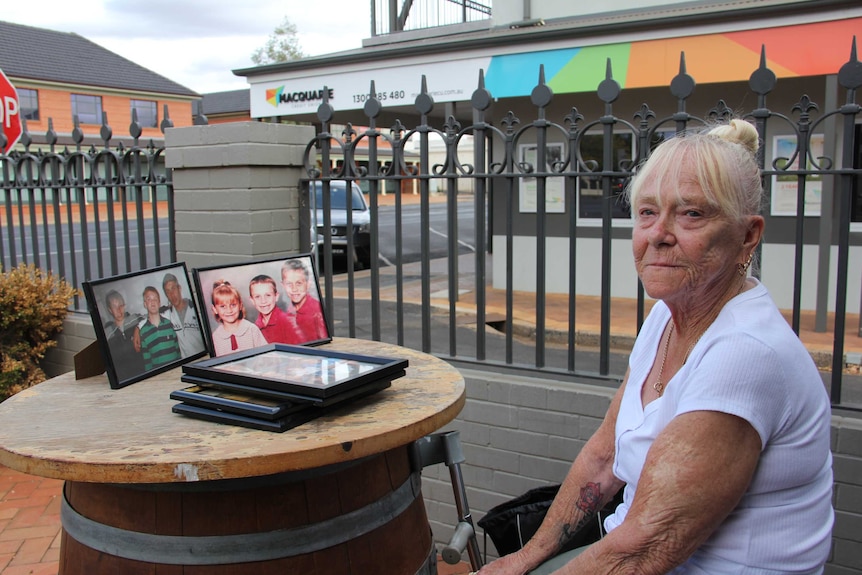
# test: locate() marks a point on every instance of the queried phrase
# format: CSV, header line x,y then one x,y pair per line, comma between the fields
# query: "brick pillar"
x,y
236,190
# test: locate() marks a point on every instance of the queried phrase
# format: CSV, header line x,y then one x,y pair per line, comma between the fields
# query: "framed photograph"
x,y
145,322
312,372
282,396
236,402
279,425
250,305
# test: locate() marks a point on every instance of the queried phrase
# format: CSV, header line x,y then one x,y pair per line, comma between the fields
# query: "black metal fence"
x,y
103,210
86,212
495,172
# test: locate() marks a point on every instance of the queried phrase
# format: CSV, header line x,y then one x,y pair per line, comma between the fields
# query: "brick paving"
x,y
29,524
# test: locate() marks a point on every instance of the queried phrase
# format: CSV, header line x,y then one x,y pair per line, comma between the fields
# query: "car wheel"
x,y
362,261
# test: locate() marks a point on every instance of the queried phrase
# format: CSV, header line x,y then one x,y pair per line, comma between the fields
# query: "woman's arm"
x,y
588,486
695,474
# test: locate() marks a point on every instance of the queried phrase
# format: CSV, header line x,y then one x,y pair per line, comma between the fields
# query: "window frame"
x,y
134,104
30,113
85,118
591,187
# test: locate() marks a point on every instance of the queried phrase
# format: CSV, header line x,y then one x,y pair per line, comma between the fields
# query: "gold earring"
x,y
742,269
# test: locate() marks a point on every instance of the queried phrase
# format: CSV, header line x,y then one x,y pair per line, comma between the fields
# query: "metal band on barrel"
x,y
429,567
241,548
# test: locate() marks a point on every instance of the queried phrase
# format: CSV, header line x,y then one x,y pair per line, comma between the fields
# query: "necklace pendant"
x,y
658,386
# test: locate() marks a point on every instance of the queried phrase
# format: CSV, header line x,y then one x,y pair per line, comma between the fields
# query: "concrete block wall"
x,y
76,335
522,432
236,190
847,497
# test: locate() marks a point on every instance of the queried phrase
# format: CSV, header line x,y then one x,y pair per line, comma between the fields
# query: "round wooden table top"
x,y
81,430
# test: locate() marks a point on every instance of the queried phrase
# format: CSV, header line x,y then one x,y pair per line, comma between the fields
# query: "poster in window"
x,y
784,185
555,196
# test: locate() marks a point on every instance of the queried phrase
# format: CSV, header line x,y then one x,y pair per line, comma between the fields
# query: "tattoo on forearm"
x,y
588,503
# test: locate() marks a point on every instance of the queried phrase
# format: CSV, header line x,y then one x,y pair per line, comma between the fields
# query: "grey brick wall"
x,y
847,496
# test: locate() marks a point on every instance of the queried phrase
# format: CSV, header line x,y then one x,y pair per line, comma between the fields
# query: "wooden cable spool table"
x,y
150,491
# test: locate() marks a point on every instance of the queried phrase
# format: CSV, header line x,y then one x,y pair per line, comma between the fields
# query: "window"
x,y
87,108
148,115
28,104
590,188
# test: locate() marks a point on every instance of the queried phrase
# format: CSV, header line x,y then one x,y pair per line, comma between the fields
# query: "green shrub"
x,y
33,305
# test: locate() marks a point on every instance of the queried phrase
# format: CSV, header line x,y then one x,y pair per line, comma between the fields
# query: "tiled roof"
x,y
65,57
226,102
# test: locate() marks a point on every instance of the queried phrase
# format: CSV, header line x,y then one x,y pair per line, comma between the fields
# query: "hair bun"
x,y
738,132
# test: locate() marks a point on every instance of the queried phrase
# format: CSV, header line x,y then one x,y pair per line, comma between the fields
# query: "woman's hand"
x,y
511,564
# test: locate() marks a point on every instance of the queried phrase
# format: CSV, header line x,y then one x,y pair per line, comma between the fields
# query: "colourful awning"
x,y
791,51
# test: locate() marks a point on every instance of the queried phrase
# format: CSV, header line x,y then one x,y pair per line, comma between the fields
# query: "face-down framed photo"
x,y
255,304
312,372
146,322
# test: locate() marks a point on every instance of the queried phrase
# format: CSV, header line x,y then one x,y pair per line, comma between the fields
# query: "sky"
x,y
197,43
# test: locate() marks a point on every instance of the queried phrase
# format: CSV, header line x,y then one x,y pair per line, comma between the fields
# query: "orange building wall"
x,y
57,105
229,118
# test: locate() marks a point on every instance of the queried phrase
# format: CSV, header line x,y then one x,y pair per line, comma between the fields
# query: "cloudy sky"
x,y
198,42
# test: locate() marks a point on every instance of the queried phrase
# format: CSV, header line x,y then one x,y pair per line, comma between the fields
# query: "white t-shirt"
x,y
749,363
187,328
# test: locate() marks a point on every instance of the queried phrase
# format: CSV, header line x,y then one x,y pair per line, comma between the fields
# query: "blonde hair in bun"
x,y
738,132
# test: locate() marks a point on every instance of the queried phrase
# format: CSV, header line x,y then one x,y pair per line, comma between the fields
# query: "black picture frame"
x,y
290,320
158,350
306,371
287,396
236,402
279,425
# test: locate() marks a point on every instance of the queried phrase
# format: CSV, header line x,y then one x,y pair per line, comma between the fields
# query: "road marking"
x,y
461,243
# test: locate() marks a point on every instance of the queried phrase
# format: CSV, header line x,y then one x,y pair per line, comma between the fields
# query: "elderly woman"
x,y
719,434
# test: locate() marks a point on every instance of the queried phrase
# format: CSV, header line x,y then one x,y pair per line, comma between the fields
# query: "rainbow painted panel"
x,y
517,74
792,51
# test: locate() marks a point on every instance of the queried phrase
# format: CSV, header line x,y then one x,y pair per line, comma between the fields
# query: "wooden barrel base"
x,y
368,517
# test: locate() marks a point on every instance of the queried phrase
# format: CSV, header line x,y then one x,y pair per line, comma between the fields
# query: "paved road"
x,y
438,231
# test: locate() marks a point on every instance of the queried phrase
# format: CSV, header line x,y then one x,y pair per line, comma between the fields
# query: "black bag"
x,y
511,524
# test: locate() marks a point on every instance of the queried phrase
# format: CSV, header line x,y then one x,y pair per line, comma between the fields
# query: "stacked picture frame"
x,y
263,326
279,386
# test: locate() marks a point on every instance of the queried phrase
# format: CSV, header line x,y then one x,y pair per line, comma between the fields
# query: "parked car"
x,y
361,221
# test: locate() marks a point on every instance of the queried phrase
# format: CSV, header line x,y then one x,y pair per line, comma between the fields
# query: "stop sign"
x,y
10,119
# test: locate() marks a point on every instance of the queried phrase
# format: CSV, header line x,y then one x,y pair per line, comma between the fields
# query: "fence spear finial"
x,y
850,74
609,89
481,98
762,80
682,85
372,104
541,95
424,102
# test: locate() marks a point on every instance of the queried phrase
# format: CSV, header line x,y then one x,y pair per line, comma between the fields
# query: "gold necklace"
x,y
658,386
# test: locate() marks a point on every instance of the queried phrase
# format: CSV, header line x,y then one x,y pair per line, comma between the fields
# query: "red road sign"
x,y
10,118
